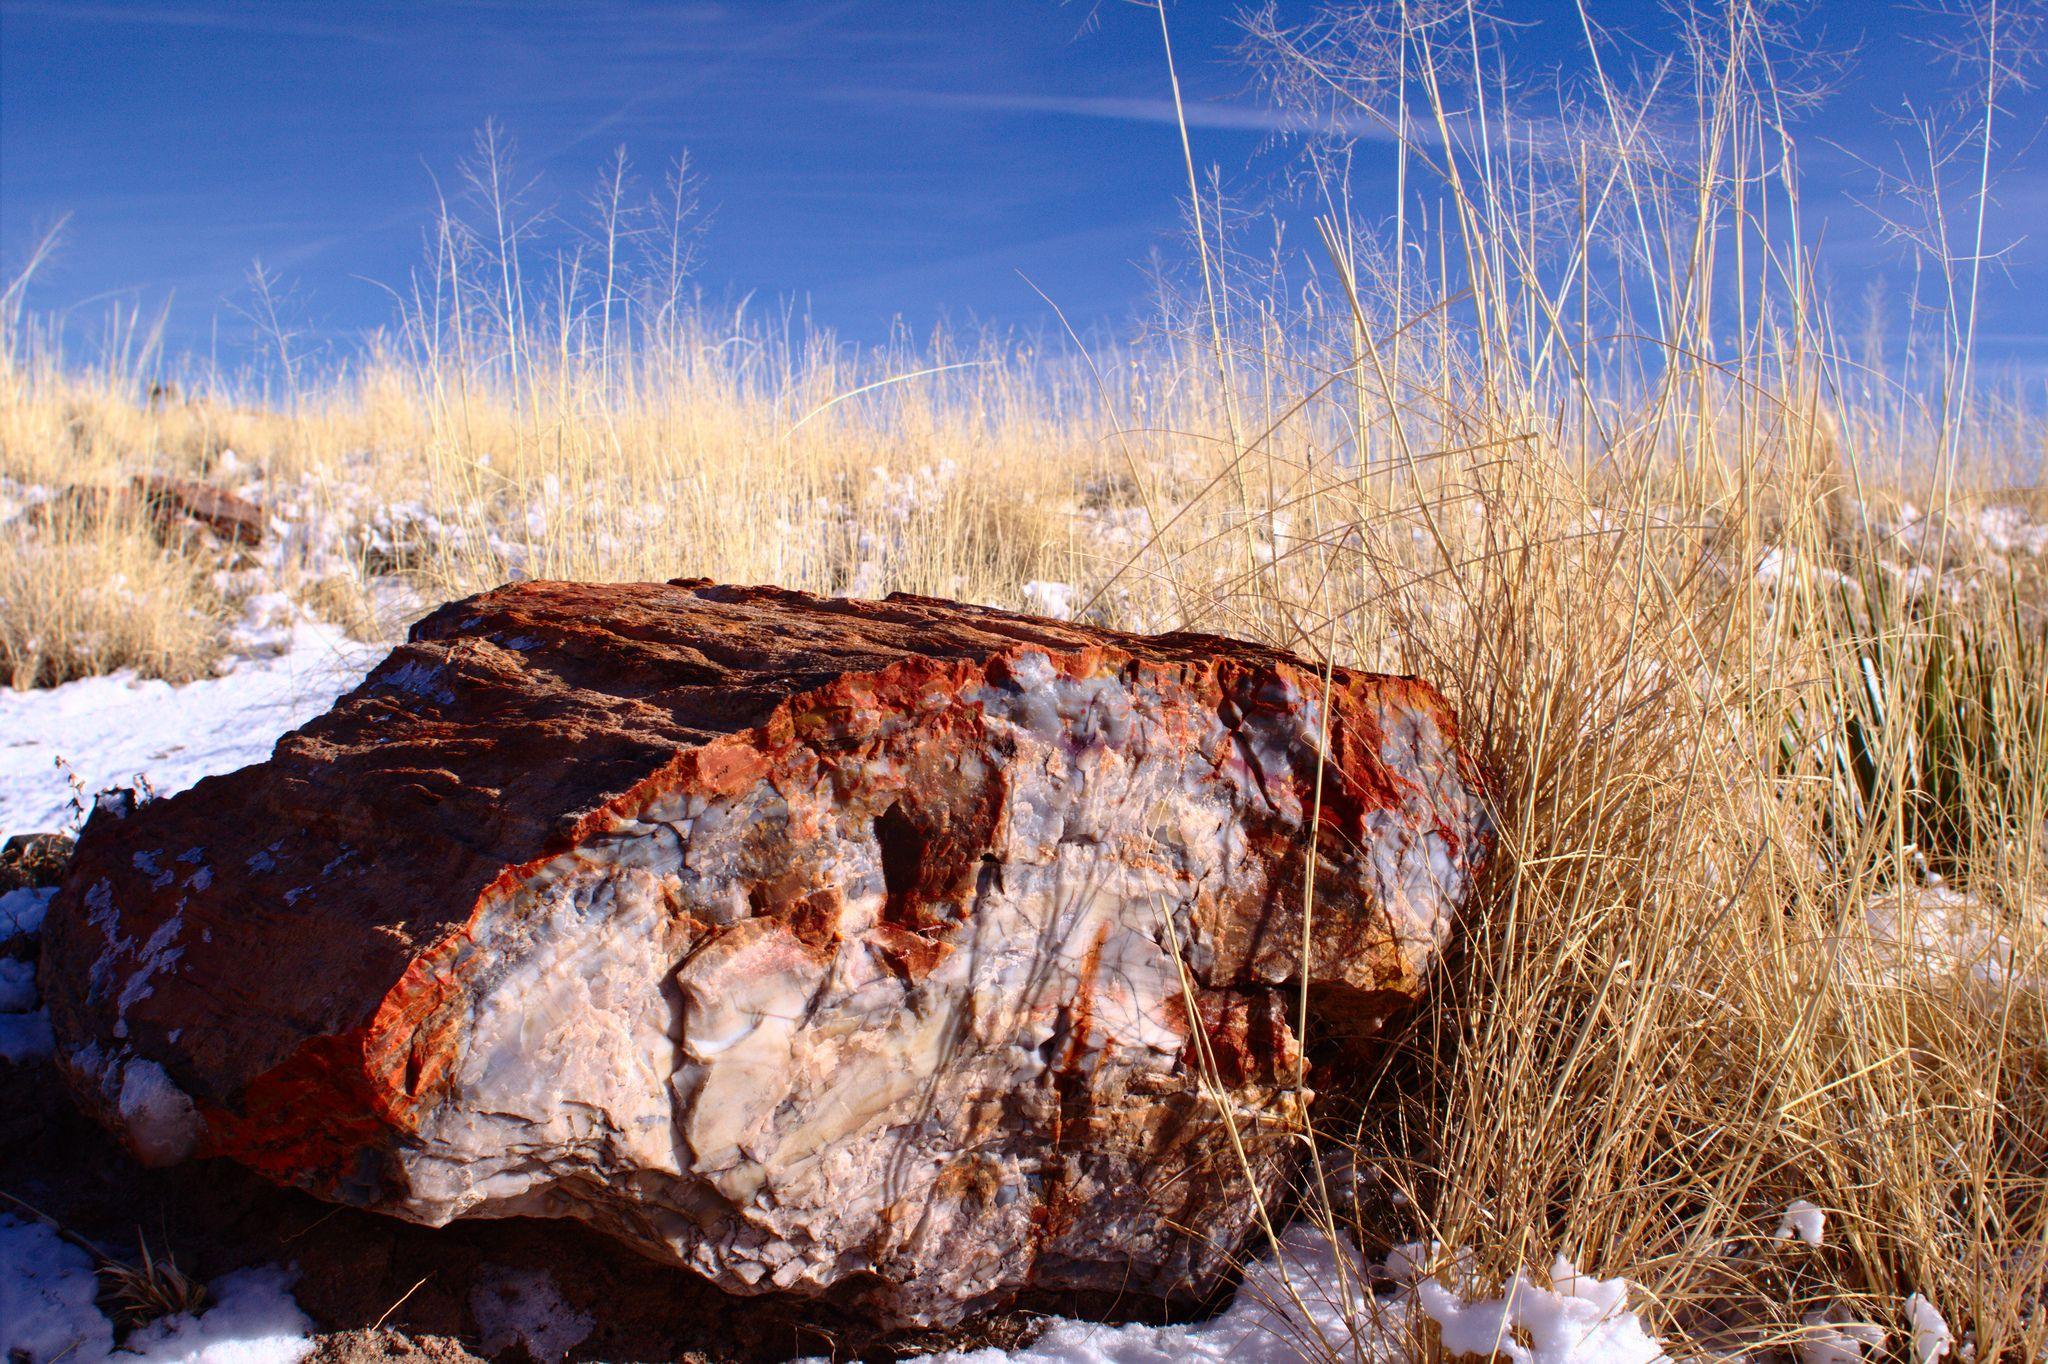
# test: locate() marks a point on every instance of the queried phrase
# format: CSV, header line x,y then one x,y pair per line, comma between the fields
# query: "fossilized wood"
x,y
906,950
173,507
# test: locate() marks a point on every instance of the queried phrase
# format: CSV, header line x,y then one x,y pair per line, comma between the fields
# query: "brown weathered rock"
x,y
34,861
176,502
173,506
906,950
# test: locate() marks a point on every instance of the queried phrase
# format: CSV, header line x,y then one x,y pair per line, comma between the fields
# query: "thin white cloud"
x,y
1544,135
226,20
1199,113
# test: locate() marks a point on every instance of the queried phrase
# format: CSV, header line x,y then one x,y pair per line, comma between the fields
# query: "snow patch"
x,y
161,1124
46,1298
1573,1318
2008,529
1309,1302
24,1028
1932,1339
17,985
48,1312
111,730
22,911
252,1320
1933,932
26,1037
523,1307
1053,600
1832,1339
1802,1219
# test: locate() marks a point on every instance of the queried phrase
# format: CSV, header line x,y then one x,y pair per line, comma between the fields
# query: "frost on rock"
x,y
878,950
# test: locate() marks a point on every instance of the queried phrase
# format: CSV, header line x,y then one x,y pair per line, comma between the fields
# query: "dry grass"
x,y
962,485
1676,609
1715,603
85,594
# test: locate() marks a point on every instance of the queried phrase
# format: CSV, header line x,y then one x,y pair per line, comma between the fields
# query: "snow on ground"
x,y
1932,1339
48,1312
24,1025
1304,1304
25,1035
1804,1220
1054,600
1937,931
523,1307
22,911
110,731
1308,1303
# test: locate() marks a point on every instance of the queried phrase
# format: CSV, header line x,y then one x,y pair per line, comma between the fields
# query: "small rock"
x,y
34,861
223,515
173,506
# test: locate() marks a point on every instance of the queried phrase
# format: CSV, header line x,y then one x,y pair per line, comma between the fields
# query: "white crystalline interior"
x,y
658,1052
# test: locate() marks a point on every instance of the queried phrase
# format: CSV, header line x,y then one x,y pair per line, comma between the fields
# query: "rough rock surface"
x,y
907,951
174,507
177,502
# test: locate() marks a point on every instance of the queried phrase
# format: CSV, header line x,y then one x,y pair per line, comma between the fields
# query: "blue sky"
x,y
867,160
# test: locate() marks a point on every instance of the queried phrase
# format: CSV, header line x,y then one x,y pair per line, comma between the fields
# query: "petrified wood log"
x,y
174,508
907,950
175,502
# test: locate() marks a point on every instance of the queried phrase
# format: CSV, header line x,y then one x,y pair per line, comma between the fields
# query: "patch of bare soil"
x,y
388,1346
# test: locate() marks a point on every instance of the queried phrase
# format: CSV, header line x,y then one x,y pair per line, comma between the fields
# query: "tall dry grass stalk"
x,y
1569,428
1605,472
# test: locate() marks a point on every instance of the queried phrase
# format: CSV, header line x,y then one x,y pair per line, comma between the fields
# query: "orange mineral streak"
x,y
320,1116
310,1119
